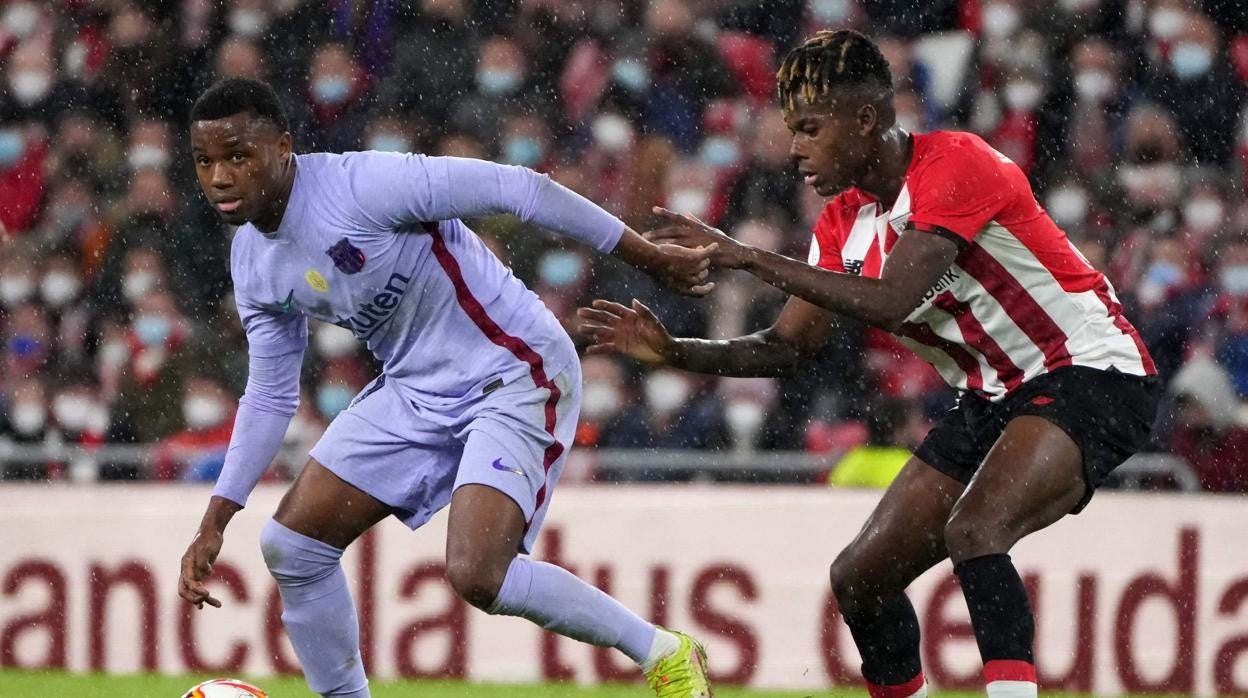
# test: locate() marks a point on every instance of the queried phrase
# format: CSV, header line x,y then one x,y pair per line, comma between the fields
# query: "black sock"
x,y
1000,611
887,636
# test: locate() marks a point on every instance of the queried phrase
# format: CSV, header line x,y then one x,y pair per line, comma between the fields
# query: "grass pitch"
x,y
28,684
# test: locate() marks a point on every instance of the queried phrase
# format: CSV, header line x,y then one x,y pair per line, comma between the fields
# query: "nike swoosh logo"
x,y
498,465
285,305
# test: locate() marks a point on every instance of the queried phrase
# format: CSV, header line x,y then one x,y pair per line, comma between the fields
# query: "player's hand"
x,y
633,332
197,566
686,230
683,269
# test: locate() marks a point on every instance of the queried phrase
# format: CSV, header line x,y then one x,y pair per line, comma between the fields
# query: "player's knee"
x,y
293,557
475,579
846,578
969,536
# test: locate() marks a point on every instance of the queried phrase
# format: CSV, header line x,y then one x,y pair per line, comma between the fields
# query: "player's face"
x,y
829,146
240,161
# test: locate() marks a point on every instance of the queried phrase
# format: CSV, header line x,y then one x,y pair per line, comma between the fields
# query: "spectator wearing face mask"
x,y
337,385
391,132
1193,79
25,422
80,419
1206,432
525,141
1164,300
500,85
675,417
153,379
197,451
1226,328
28,345
60,291
333,111
1096,113
23,151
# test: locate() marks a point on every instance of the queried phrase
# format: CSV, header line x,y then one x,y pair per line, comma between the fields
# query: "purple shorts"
x,y
514,438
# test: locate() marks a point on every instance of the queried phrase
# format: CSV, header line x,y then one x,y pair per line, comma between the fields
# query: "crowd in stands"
x,y
115,307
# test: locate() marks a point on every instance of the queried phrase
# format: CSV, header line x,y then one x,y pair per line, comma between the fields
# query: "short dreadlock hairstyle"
x,y
830,60
240,96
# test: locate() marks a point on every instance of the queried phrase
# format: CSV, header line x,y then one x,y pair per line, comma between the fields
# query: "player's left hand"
x,y
687,230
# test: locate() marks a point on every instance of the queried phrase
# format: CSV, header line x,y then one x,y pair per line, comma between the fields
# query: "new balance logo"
x,y
853,266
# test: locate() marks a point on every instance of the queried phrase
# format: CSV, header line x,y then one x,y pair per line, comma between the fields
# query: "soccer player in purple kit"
x,y
476,404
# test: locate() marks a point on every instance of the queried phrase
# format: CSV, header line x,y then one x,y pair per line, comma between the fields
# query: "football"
x,y
225,688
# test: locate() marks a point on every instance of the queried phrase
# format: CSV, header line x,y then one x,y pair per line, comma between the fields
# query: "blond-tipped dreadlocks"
x,y
828,60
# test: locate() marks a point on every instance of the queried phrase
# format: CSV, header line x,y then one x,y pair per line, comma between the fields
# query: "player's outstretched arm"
x,y
800,330
915,264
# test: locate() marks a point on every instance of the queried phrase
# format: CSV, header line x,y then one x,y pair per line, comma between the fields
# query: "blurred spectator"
x,y
675,416
331,115
23,152
500,80
433,63
240,57
1206,434
1195,82
28,345
197,452
25,422
768,184
153,380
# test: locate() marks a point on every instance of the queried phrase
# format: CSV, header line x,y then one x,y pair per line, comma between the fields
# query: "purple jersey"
x,y
373,242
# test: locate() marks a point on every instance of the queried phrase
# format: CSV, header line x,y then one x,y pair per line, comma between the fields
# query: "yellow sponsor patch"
x,y
316,281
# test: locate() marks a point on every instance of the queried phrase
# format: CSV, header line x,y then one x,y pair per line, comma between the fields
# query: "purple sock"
x,y
557,600
316,610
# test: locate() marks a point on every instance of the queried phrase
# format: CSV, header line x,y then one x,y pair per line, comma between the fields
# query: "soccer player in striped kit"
x,y
478,397
937,238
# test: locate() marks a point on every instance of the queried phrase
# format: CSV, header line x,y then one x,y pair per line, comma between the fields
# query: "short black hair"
x,y
830,60
237,96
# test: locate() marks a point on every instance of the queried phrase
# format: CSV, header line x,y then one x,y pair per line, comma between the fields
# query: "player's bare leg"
x,y
319,516
483,538
901,539
1032,477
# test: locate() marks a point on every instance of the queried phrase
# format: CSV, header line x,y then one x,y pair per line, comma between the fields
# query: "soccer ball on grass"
x,y
225,688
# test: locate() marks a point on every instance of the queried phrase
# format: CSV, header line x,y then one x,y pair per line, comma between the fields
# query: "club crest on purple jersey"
x,y
347,257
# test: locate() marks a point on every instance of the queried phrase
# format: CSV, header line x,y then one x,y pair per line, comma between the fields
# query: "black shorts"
x,y
1108,414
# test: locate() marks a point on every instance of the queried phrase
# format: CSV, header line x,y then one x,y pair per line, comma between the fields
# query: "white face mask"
x,y
15,290
600,400
202,412
612,133
1000,20
691,201
1166,22
136,284
247,24
20,18
72,412
1204,214
1023,95
744,418
333,342
147,157
1093,85
666,392
30,86
27,418
59,288
113,354
1068,206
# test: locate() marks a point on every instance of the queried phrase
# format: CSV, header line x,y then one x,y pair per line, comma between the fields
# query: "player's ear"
x,y
868,119
284,146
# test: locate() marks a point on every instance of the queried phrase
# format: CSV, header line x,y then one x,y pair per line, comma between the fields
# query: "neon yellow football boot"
x,y
681,674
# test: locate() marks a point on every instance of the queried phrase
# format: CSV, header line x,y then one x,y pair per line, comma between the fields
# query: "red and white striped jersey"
x,y
1019,300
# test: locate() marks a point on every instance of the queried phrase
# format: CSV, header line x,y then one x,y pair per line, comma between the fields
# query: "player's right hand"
x,y
633,332
197,566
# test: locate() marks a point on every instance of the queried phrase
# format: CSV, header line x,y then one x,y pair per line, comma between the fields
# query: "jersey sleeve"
x,y
395,190
825,242
959,191
270,330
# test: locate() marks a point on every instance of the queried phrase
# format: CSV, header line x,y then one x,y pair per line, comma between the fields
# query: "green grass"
x,y
27,684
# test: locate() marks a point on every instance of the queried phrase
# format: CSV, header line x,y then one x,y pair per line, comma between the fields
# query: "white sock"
x,y
664,643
